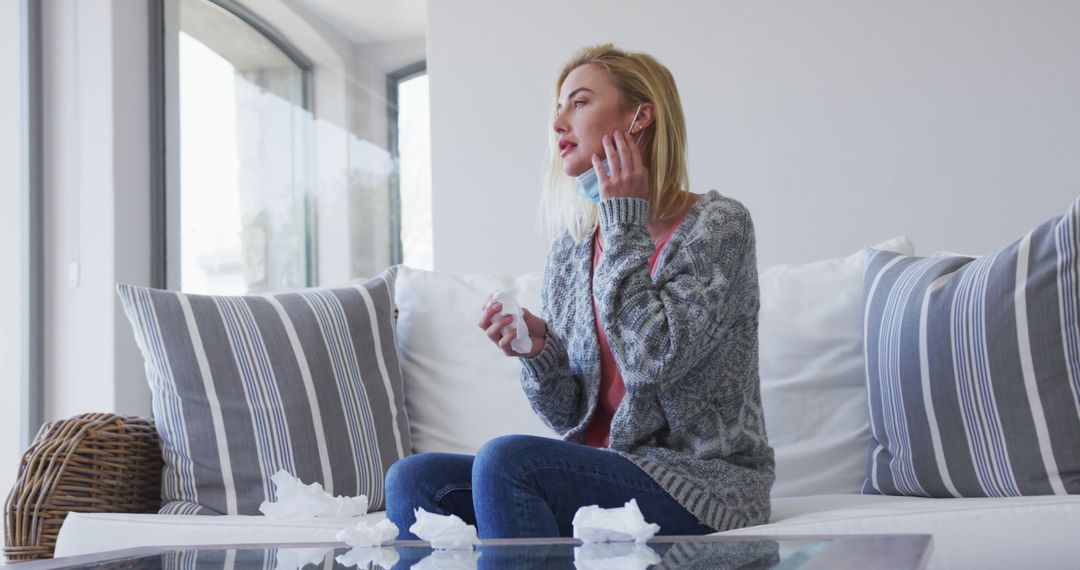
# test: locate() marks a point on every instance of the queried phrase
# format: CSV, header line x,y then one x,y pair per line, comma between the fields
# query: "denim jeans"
x,y
521,486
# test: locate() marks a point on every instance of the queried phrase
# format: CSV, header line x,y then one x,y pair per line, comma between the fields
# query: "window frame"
x,y
33,222
393,81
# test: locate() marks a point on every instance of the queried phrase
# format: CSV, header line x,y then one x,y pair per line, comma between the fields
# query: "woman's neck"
x,y
658,227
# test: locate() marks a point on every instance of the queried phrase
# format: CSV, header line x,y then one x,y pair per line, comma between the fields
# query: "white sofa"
x,y
460,392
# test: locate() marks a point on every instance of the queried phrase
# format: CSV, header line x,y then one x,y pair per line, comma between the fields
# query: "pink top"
x,y
612,389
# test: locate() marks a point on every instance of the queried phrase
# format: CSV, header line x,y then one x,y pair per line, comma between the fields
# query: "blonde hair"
x,y
641,79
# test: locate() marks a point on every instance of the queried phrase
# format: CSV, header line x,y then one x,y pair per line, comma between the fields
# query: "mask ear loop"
x,y
631,129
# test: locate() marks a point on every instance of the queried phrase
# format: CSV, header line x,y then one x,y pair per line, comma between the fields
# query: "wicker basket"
x,y
91,463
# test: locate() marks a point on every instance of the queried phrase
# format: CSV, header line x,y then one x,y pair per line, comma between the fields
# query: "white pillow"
x,y
813,385
460,389
953,254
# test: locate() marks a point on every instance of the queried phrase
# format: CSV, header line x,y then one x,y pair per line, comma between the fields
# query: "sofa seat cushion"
x,y
87,533
1011,532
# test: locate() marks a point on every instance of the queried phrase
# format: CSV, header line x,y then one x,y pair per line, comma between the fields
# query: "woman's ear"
x,y
646,117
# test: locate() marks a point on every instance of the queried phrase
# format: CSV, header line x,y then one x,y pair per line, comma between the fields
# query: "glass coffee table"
x,y
898,551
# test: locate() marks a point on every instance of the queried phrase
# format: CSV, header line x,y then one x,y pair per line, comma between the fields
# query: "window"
x,y
246,218
288,171
409,95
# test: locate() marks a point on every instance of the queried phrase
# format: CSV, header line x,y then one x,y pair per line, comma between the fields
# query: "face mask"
x,y
588,184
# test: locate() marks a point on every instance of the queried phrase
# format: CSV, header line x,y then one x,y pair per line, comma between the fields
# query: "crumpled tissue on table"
x,y
297,500
448,560
369,557
620,524
444,531
521,343
614,556
366,539
298,558
367,534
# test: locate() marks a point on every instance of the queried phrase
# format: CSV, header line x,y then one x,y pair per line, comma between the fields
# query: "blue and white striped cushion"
x,y
973,369
306,381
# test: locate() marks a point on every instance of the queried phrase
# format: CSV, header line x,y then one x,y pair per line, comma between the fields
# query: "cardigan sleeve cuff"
x,y
548,357
623,210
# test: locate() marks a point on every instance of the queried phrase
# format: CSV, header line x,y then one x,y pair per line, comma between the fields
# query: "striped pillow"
x,y
306,381
973,369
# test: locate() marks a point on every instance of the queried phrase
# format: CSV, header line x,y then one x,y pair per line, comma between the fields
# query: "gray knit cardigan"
x,y
685,342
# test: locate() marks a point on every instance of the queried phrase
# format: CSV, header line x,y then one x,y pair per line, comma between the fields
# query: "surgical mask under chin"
x,y
588,184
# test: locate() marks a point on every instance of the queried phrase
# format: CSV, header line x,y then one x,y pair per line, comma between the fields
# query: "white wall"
x,y
96,163
10,242
837,122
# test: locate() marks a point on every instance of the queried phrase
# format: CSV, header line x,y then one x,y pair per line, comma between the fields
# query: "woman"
x,y
645,359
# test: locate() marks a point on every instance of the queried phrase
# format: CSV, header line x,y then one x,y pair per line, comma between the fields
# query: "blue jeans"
x,y
521,486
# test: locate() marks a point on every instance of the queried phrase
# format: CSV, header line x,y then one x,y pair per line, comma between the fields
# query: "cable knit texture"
x,y
686,344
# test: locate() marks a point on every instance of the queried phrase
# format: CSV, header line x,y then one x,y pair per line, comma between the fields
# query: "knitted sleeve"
x,y
553,390
658,331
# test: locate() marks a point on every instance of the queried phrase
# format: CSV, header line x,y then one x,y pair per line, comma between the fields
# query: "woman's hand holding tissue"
x,y
498,320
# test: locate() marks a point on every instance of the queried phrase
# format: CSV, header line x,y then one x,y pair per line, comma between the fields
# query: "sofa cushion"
x,y
813,385
243,386
460,389
973,369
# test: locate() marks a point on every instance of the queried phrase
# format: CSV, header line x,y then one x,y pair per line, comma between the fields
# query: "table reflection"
x,y
624,556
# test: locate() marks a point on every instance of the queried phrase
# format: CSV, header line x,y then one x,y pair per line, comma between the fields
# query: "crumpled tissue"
x,y
298,558
444,531
448,560
369,557
367,534
521,343
615,556
620,524
297,500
